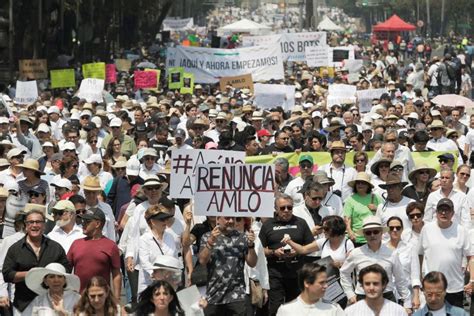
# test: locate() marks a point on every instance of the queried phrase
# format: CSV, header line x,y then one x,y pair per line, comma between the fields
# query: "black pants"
x,y
133,281
388,295
281,291
229,309
456,299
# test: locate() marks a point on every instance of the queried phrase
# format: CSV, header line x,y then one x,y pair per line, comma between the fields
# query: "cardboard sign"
x,y
175,78
268,96
94,70
188,84
26,92
238,82
123,64
210,64
353,65
144,79
91,90
158,78
235,190
63,78
110,73
33,68
183,167
317,56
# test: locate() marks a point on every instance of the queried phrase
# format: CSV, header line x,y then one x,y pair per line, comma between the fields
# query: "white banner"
x,y
365,98
317,56
172,24
292,44
238,190
353,65
183,167
26,92
341,94
91,90
209,64
268,96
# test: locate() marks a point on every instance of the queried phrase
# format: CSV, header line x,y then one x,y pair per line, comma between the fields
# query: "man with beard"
x,y
66,230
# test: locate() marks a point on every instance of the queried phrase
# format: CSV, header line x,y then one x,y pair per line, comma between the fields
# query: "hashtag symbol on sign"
x,y
182,163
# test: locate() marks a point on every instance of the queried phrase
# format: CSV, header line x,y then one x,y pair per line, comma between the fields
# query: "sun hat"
x,y
120,163
38,207
91,183
153,181
62,183
4,162
334,125
392,179
395,163
161,215
115,122
168,263
371,221
361,177
149,152
375,167
64,205
436,124
15,152
34,278
95,158
31,164
321,177
257,116
338,145
412,174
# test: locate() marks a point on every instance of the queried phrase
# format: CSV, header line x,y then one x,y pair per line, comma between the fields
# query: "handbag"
x,y
256,293
199,275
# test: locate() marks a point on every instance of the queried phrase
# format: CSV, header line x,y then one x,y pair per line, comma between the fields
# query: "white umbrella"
x,y
453,100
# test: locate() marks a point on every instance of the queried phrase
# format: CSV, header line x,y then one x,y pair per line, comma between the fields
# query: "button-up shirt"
x,y
66,239
362,257
341,176
402,154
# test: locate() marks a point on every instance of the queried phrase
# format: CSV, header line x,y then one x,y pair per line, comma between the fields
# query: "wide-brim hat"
x,y
153,181
361,177
412,174
436,124
333,126
375,167
31,164
91,183
392,179
338,145
371,222
321,177
34,278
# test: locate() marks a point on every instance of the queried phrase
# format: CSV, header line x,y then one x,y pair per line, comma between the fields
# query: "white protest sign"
x,y
235,190
353,65
317,56
292,45
341,94
172,24
338,54
183,167
268,96
91,90
26,92
365,98
352,78
210,64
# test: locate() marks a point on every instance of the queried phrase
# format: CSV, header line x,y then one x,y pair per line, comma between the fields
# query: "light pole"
x,y
428,24
10,37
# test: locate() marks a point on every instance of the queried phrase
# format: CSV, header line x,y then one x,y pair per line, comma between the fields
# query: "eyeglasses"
x,y
397,169
34,194
372,232
34,222
148,158
443,161
158,188
424,172
81,211
284,138
306,166
120,169
286,207
415,215
93,142
443,211
465,174
115,127
436,128
58,213
436,294
395,228
391,140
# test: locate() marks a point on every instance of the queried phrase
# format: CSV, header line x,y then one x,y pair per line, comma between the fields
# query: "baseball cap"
x,y
179,133
62,183
115,122
15,152
93,213
306,158
64,205
263,132
53,109
445,202
447,156
93,159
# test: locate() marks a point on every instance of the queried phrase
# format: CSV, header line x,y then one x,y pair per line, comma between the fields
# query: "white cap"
x,y
4,120
53,109
42,127
435,113
316,114
298,95
115,122
97,121
86,112
93,159
308,105
75,116
401,123
62,183
41,108
413,115
133,167
47,144
68,146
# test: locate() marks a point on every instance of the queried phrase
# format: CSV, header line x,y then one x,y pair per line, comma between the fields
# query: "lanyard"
x,y
343,172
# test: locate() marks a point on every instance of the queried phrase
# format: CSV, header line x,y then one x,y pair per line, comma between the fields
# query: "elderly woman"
x,y
419,177
56,289
362,203
380,169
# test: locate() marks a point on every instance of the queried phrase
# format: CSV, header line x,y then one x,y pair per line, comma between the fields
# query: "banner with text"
x,y
210,64
26,92
338,54
171,24
341,93
235,190
94,70
268,96
317,56
63,78
238,82
33,68
183,167
91,90
188,84
144,79
292,45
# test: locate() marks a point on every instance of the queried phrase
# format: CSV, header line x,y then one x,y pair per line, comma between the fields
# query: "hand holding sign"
x,y
250,238
215,233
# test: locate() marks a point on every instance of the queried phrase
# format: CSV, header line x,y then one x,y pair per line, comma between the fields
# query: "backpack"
x,y
450,67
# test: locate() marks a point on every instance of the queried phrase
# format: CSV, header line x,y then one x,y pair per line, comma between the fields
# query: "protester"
x,y
159,298
97,299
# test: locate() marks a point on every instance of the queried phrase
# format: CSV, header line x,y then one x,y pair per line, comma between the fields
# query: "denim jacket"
x,y
450,311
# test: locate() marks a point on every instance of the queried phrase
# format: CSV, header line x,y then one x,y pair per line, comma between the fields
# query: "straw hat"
x,y
375,167
321,177
33,206
338,145
392,179
31,164
334,125
371,222
412,174
361,177
153,181
91,183
436,124
120,163
34,278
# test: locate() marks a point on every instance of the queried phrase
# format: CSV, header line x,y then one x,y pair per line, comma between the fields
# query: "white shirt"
x,y
66,239
341,176
408,255
444,251
333,201
303,212
320,308
389,209
461,204
402,154
389,308
442,144
362,257
339,254
292,190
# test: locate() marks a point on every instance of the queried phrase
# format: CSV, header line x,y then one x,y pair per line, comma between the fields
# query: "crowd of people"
x,y
383,228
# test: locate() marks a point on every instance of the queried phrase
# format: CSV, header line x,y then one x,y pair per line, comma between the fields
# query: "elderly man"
x,y
445,244
339,171
66,230
282,175
282,260
94,166
461,203
375,252
438,141
306,170
14,173
128,147
331,200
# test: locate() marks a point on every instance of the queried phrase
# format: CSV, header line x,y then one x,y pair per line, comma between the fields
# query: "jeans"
x,y
281,291
230,309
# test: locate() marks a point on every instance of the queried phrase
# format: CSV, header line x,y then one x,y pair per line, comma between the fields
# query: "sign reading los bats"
x,y
235,190
183,167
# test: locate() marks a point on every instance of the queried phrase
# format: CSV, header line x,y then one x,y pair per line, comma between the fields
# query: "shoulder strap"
x,y
345,245
158,244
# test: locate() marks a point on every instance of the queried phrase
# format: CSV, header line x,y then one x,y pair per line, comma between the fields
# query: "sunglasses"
x,y
81,211
372,232
424,172
19,157
465,174
120,169
395,228
415,215
444,211
93,142
286,207
397,169
149,158
436,128
58,213
284,138
35,194
316,198
443,161
306,166
153,188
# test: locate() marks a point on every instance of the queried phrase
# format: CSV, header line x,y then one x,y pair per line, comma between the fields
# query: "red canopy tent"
x,y
390,29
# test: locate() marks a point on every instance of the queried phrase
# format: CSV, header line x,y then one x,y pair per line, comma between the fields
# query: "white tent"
x,y
244,26
327,25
